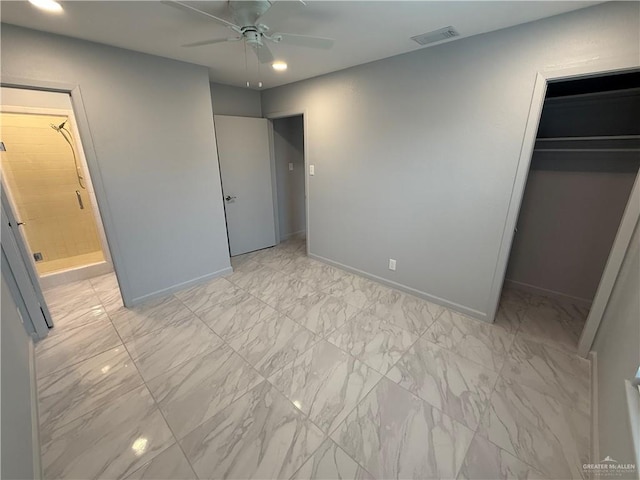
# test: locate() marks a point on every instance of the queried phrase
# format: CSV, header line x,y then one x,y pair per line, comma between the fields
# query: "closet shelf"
x,y
595,137
602,143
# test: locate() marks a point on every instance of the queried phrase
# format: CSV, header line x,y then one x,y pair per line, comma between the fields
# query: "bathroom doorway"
x,y
48,187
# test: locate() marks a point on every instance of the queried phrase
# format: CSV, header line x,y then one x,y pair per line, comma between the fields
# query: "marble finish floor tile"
x,y
239,260
171,464
283,291
457,386
208,294
564,376
319,276
406,311
486,461
277,259
509,316
108,290
236,315
199,388
327,410
394,434
326,384
94,383
259,436
270,345
546,434
72,346
62,296
517,296
357,291
554,323
374,341
80,313
104,283
320,313
300,264
149,317
109,442
330,462
256,279
478,341
157,352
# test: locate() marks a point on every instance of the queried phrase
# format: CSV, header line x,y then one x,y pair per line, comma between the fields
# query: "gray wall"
x,y
240,102
288,146
618,350
567,224
151,123
17,404
416,155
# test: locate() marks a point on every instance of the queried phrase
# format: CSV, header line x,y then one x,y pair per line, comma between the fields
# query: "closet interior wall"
x,y
582,171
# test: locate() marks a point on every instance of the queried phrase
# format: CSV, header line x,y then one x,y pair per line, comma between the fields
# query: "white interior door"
x,y
17,259
245,167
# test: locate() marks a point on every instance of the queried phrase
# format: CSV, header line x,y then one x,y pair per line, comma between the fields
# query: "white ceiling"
x,y
364,31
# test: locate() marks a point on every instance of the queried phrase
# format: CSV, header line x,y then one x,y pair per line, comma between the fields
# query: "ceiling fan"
x,y
249,19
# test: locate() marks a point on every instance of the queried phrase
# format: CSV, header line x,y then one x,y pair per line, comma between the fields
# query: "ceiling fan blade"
x,y
302,40
190,9
211,42
279,10
263,53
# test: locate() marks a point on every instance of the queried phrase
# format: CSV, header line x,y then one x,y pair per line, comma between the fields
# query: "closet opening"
x,y
581,176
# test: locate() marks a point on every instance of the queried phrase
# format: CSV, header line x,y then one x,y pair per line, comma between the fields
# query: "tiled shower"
x,y
47,187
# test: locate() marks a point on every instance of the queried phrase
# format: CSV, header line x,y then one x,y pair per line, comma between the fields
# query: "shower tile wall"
x,y
40,173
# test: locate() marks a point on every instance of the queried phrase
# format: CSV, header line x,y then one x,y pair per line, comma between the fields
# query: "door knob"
x,y
228,198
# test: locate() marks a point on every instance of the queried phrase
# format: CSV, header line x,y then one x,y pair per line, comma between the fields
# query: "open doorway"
x,y
288,147
51,208
581,176
49,188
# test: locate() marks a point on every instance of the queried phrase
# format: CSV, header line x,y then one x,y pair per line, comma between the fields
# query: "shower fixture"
x,y
62,129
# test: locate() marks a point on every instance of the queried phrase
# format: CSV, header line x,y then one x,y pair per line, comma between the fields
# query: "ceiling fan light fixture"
x,y
47,5
279,66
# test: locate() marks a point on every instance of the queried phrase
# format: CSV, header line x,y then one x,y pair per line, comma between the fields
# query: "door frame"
x,y
93,168
83,163
625,230
305,135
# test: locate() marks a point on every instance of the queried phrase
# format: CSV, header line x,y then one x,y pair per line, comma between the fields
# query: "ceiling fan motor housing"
x,y
252,35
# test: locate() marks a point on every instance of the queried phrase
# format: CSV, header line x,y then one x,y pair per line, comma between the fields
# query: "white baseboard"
x,y
179,286
562,297
404,288
595,444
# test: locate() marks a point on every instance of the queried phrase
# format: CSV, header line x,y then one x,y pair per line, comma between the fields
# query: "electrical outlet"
x,y
312,170
392,264
290,167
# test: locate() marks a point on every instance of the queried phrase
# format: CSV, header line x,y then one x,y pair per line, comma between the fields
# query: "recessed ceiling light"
x,y
48,5
279,66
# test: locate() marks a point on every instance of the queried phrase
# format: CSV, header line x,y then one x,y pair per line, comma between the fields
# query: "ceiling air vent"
x,y
436,36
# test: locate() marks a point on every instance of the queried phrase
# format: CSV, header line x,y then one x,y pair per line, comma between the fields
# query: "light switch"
x,y
312,170
291,167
